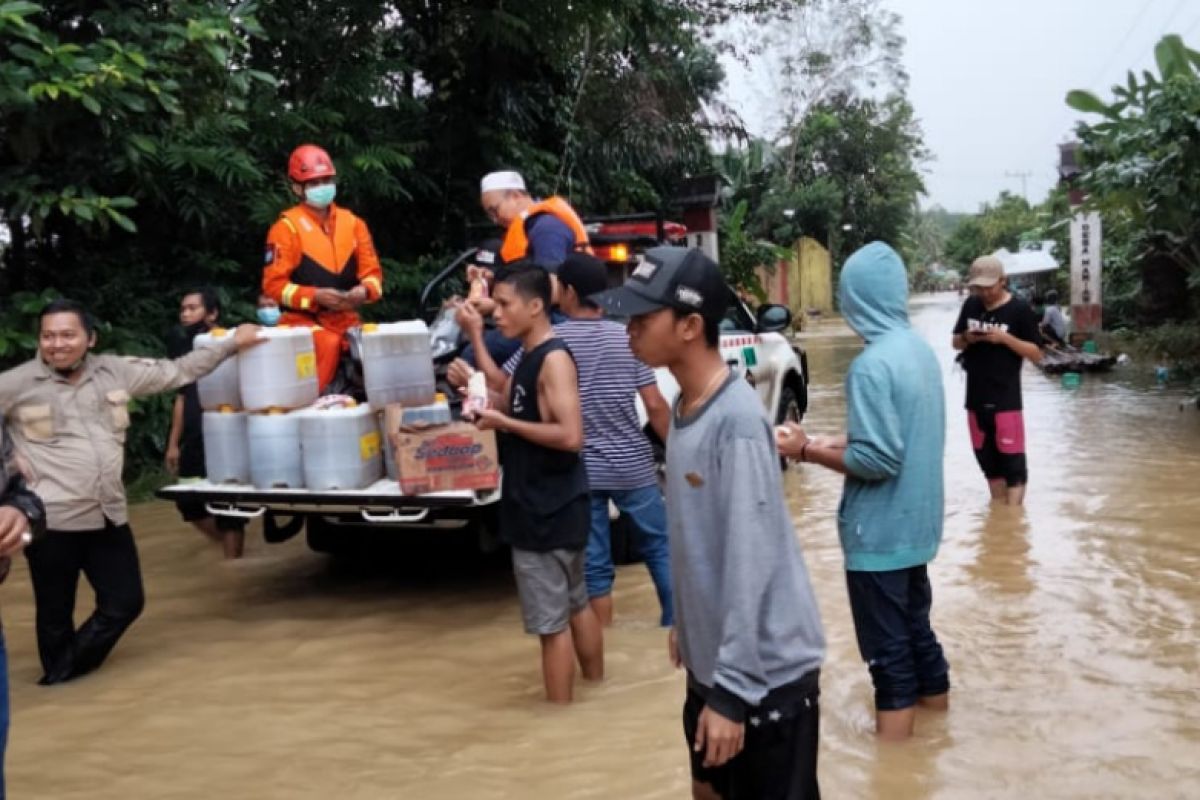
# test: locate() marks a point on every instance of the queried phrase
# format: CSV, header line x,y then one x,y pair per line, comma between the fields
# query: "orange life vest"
x,y
516,241
326,262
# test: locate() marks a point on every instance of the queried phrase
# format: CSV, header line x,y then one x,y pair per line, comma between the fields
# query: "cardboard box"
x,y
443,458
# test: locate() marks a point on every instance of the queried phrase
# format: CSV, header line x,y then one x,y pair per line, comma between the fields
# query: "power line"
x,y
1192,29
1115,53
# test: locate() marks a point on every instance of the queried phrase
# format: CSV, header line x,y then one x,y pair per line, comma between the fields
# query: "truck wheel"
x,y
789,411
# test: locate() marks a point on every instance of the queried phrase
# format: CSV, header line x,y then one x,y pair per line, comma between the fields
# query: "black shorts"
x,y
779,760
999,441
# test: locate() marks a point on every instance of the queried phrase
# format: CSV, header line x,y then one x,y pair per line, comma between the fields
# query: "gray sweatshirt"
x,y
745,613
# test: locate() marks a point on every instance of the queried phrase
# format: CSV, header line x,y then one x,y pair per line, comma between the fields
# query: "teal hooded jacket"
x,y
892,505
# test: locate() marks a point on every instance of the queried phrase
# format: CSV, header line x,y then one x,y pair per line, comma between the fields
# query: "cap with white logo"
x,y
671,277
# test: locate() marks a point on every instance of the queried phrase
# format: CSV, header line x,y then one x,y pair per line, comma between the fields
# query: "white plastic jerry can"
x,y
281,373
341,447
398,364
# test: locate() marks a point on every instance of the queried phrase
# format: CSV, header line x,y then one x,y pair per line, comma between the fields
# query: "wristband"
x,y
804,451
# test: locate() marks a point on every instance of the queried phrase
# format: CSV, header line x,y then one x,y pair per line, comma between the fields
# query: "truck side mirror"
x,y
773,318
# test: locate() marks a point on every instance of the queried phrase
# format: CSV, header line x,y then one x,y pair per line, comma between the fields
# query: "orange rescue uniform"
x,y
305,254
516,240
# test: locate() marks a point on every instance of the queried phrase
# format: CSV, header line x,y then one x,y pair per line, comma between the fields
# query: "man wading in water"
x,y
746,622
546,508
995,331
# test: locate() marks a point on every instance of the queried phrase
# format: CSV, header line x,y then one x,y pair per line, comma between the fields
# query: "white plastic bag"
x,y
444,333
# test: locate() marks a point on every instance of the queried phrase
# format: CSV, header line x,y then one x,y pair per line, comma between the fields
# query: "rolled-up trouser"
x,y
895,638
109,559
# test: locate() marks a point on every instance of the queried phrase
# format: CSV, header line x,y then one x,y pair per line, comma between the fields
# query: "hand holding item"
x,y
331,299
486,306
458,373
469,319
247,336
14,531
477,396
478,283
491,420
357,296
791,440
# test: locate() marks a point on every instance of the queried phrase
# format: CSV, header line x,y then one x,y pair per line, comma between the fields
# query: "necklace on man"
x,y
712,386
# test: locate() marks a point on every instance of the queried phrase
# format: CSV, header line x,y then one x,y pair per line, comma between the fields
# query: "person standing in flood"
x,y
995,332
747,627
545,508
69,412
616,452
22,521
890,517
199,312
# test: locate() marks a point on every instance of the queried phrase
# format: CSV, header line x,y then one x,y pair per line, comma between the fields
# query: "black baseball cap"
x,y
584,273
670,277
487,254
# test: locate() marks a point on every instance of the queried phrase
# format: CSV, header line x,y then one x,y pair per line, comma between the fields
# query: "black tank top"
x,y
545,503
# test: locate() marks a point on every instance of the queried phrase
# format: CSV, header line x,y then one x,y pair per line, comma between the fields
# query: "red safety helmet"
x,y
309,162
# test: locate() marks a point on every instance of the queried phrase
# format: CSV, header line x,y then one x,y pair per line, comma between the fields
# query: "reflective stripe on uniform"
x,y
289,292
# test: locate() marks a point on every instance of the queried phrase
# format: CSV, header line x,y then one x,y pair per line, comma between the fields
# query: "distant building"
x,y
1031,269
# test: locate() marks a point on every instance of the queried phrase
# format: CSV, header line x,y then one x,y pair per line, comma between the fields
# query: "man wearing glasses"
x,y
541,231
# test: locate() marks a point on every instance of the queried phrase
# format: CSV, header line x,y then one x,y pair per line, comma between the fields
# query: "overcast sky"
x,y
988,78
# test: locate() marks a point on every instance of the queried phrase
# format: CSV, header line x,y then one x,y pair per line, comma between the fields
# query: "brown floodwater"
x,y
1070,625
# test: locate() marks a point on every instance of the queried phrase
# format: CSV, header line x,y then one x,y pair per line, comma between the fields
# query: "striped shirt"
x,y
616,453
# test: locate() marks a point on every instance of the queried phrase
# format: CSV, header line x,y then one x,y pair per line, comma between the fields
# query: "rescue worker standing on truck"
x,y
68,413
321,265
541,231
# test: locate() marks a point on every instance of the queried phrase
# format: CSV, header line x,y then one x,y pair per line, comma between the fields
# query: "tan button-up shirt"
x,y
71,436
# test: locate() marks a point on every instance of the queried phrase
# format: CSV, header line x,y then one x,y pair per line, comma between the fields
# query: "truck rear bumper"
x,y
380,503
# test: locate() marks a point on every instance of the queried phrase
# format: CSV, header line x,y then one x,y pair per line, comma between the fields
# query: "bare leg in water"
x,y
558,666
588,638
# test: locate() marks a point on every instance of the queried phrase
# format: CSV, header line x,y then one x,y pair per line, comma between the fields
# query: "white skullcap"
x,y
499,181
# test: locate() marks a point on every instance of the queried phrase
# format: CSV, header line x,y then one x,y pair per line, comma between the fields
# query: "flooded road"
x,y
1070,625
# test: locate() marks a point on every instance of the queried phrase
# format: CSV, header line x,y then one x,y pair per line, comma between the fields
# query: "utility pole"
x,y
1024,178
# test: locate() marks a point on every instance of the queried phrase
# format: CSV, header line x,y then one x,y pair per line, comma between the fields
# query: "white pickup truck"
x,y
754,345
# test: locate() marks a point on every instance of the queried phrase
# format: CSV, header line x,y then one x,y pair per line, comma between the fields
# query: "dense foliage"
x,y
142,146
1142,171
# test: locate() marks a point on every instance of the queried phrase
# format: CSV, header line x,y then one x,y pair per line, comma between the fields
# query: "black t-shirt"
x,y
191,443
545,505
993,370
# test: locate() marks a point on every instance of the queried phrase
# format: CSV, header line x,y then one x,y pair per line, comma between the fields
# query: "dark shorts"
x,y
891,620
551,588
779,760
999,441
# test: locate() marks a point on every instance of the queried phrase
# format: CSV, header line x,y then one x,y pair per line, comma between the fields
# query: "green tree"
x,y
1142,172
143,146
855,178
1007,223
